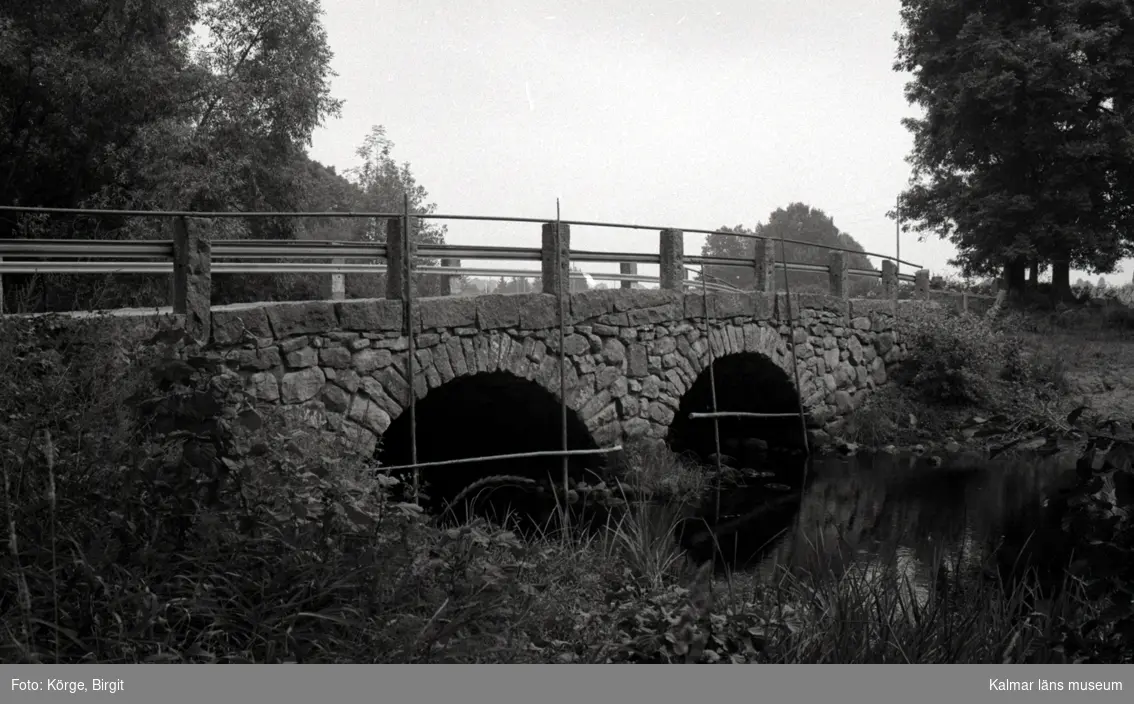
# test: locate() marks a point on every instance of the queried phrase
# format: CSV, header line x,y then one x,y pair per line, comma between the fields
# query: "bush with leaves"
x,y
951,358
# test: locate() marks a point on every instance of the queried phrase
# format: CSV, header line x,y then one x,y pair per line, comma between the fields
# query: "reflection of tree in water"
x,y
889,510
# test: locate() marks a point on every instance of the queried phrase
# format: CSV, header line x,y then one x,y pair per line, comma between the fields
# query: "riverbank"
x,y
1026,371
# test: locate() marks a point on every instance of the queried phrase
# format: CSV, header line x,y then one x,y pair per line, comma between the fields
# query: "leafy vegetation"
x,y
195,105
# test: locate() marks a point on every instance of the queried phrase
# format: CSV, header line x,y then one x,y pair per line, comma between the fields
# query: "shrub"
x,y
158,519
951,358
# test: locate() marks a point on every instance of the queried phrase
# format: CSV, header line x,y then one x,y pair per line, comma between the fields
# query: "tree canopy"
x,y
1025,152
797,221
180,104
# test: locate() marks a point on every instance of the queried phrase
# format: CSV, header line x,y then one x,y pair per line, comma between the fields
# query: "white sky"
x,y
674,113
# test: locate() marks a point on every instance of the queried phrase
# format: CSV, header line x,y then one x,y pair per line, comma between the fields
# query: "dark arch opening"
x,y
489,414
746,382
758,507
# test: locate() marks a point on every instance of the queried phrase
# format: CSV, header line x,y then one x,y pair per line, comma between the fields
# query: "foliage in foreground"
x,y
156,519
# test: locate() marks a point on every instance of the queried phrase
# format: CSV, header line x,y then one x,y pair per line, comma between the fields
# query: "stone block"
x,y
497,311
301,318
448,312
373,315
229,323
591,304
302,385
538,311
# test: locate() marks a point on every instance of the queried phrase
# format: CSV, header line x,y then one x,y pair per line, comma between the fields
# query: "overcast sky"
x,y
675,113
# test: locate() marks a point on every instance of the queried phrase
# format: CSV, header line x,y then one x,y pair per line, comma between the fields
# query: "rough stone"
x,y
303,357
263,387
335,357
447,312
614,352
335,398
843,402
367,360
289,319
231,324
497,311
300,386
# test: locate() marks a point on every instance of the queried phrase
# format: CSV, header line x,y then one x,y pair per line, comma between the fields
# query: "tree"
x,y
382,182
1025,152
111,104
796,222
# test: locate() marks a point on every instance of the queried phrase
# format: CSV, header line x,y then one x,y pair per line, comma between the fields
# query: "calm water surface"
x,y
868,508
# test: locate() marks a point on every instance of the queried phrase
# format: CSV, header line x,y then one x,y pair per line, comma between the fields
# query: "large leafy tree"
x,y
798,222
179,104
1025,152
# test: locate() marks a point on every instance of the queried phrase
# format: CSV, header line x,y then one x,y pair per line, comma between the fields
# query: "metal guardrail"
x,y
424,216
123,256
336,258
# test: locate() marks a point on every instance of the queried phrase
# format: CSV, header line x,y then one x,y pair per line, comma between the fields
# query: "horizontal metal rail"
x,y
478,252
88,248
101,212
132,267
514,456
94,212
248,250
251,249
615,257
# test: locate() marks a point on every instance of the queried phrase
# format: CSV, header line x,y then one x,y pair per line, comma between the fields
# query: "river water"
x,y
831,512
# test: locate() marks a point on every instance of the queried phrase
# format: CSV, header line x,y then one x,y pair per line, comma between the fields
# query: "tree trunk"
x,y
1014,273
1033,275
1060,281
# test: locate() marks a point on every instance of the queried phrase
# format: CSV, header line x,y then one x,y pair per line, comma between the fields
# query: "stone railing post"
x,y
396,273
450,283
964,301
192,277
628,269
764,263
837,272
555,258
672,260
921,282
334,285
889,278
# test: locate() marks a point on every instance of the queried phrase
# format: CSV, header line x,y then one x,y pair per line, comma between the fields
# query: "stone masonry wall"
x,y
632,353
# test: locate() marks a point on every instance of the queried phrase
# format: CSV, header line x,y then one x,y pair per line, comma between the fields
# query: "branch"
x,y
231,76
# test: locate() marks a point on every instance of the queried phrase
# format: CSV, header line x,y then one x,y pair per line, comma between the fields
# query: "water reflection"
x,y
886,513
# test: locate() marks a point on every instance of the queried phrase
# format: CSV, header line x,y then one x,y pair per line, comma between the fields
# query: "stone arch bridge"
x,y
637,360
484,372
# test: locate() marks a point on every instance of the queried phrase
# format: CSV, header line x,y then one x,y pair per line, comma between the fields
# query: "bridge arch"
x,y
749,381
483,414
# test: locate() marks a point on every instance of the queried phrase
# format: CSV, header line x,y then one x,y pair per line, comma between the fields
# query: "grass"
x,y
159,520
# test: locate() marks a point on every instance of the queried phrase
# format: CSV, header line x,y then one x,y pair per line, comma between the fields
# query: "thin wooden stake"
x,y
562,295
897,250
794,359
712,394
740,414
412,348
513,456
